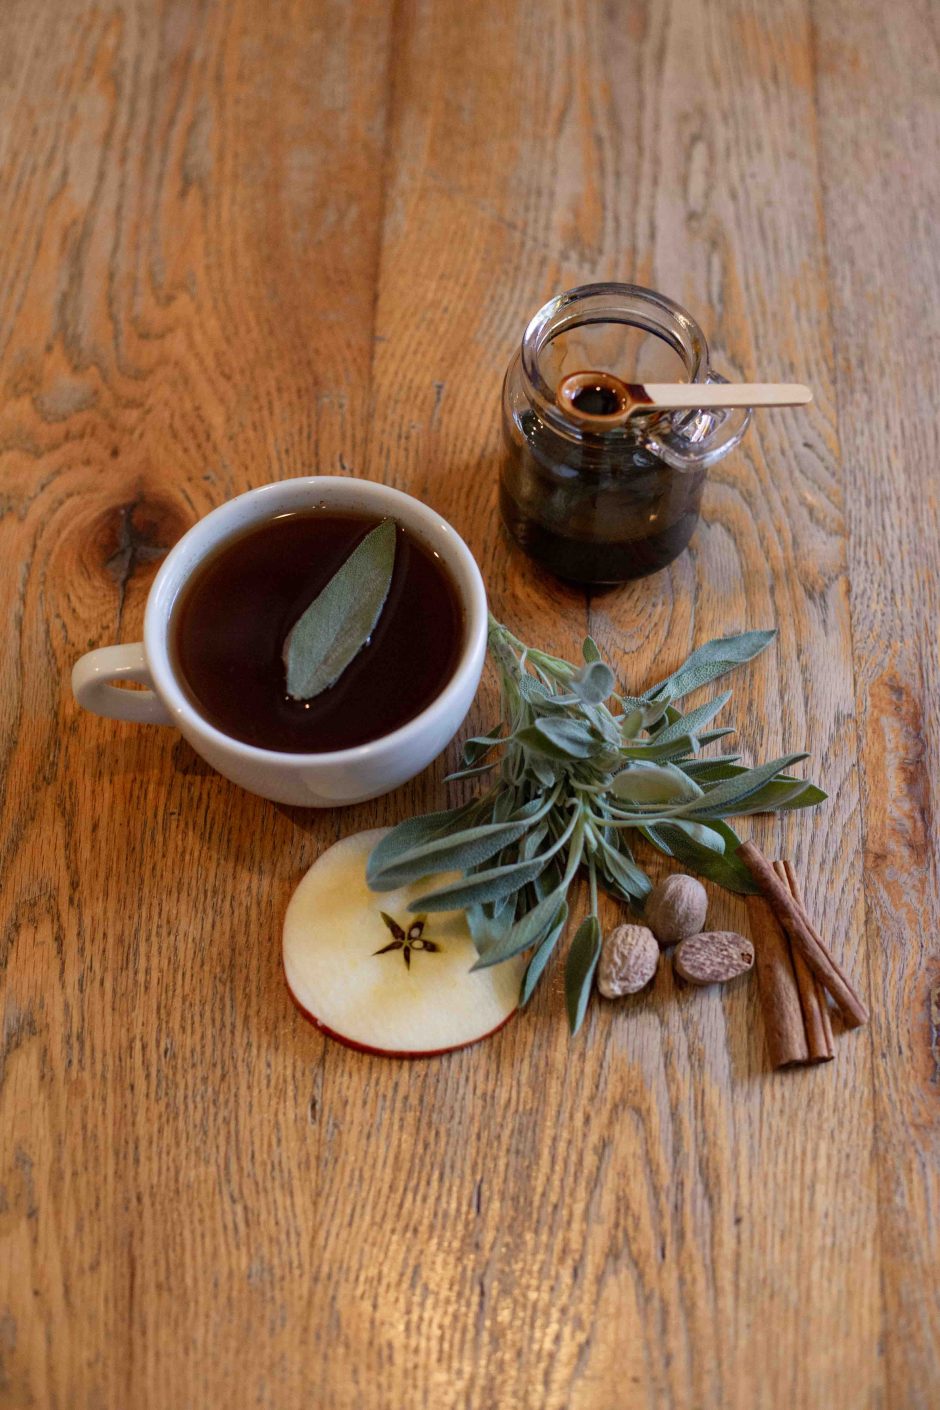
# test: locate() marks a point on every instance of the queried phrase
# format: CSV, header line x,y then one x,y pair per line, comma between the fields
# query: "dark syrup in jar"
x,y
595,513
232,616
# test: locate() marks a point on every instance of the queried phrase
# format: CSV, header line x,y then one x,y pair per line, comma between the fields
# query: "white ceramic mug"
x,y
308,780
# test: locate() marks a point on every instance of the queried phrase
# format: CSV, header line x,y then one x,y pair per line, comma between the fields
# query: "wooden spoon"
x,y
600,401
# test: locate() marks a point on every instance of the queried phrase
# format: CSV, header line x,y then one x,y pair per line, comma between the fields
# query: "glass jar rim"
x,y
607,303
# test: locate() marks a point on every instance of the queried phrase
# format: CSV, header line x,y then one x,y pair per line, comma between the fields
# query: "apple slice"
x,y
381,978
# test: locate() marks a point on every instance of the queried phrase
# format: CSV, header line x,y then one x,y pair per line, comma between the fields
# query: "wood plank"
x,y
192,201
665,1232
880,150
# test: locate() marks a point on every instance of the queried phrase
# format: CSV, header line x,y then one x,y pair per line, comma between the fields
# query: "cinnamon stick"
x,y
804,936
777,987
812,997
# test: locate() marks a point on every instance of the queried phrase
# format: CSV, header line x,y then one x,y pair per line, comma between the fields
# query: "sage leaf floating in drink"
x,y
340,620
571,769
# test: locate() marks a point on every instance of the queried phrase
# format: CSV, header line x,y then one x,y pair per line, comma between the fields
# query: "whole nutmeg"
x,y
713,957
676,909
628,961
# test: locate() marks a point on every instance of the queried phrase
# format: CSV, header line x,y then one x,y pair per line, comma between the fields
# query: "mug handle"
x,y
91,677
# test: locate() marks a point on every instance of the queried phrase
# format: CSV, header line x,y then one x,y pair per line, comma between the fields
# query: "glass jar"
x,y
603,506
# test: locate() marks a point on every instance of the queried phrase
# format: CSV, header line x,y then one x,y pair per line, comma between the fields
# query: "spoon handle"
x,y
676,396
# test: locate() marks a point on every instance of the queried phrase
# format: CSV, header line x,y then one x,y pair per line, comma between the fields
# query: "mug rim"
x,y
413,512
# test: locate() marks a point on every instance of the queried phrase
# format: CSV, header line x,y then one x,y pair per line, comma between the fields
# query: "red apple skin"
x,y
389,1052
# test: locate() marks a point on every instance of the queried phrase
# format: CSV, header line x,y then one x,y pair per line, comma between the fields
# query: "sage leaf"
x,y
532,841
712,660
543,772
535,692
505,806
729,839
412,833
702,833
503,911
476,772
640,714
606,726
632,724
548,880
725,796
534,808
582,961
340,619
781,793
481,887
559,739
711,770
723,868
594,683
624,873
709,736
646,782
483,930
589,649
809,797
669,749
777,797
542,955
454,853
694,721
492,884
530,930
479,746
669,715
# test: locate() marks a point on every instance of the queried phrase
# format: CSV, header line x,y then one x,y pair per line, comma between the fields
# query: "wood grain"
x,y
884,277
244,241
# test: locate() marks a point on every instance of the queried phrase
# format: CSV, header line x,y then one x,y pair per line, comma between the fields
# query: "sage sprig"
x,y
572,768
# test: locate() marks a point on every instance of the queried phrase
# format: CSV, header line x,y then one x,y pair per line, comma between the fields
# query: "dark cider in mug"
x,y
232,617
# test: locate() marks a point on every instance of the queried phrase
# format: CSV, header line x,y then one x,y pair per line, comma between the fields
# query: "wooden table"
x,y
245,241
